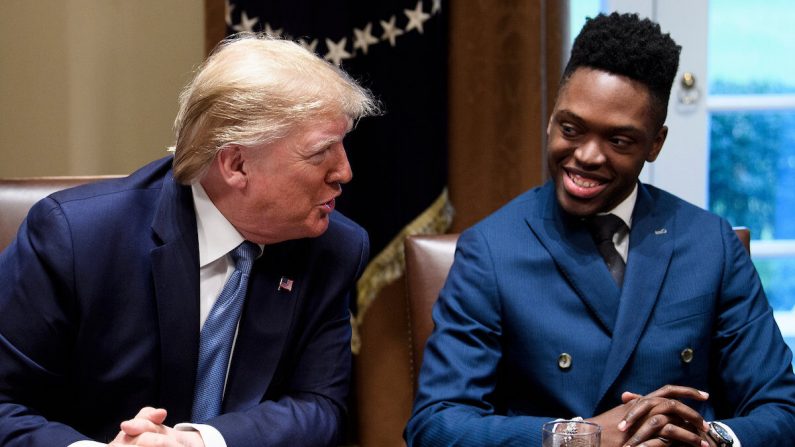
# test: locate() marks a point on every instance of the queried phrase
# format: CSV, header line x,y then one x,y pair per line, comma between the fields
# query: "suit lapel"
x,y
176,282
266,321
651,247
574,252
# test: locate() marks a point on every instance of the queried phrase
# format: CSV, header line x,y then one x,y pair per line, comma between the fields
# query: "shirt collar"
x,y
624,209
217,236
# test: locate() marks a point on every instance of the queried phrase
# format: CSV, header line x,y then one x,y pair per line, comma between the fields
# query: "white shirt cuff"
x,y
86,444
210,435
731,432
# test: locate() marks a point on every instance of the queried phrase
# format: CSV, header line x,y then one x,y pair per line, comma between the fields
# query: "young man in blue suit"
x,y
108,291
659,332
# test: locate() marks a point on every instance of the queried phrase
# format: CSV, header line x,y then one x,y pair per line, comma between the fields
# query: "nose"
x,y
589,154
341,172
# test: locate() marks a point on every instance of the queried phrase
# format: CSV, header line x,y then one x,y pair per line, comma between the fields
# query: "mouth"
x,y
581,186
329,206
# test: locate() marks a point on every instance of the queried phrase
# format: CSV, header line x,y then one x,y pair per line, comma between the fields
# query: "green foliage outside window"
x,y
752,163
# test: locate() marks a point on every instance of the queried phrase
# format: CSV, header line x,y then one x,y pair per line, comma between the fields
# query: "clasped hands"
x,y
147,429
658,419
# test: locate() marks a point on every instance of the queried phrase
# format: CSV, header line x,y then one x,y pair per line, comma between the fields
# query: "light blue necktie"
x,y
215,343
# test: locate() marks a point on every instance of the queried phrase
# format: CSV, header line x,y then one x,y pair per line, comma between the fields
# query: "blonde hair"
x,y
255,89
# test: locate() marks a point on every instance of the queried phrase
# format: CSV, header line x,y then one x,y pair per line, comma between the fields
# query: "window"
x,y
751,107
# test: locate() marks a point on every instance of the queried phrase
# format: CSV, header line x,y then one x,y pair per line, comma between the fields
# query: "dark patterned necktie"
x,y
215,341
603,227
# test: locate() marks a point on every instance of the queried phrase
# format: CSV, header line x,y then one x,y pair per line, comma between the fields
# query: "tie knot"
x,y
604,226
244,254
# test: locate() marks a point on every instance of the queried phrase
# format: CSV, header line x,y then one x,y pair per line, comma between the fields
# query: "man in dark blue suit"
x,y
107,291
658,331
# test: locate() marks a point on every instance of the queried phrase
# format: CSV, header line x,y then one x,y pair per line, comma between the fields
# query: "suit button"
x,y
564,361
687,355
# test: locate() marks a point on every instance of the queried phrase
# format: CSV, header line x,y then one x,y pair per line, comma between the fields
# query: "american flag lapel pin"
x,y
286,284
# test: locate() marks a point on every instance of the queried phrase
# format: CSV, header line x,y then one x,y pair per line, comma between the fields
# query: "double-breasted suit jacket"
x,y
530,326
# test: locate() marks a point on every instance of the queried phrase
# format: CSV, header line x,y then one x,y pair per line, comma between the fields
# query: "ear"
x,y
549,126
231,161
657,144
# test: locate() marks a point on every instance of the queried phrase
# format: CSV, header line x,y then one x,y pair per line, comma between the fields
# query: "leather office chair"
x,y
18,195
428,260
745,236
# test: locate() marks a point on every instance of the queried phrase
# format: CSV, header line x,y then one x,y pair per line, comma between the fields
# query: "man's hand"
x,y
147,429
658,419
609,420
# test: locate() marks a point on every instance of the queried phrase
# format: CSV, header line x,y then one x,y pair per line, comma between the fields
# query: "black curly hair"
x,y
624,44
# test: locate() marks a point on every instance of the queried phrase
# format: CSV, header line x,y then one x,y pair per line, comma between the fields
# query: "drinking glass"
x,y
570,434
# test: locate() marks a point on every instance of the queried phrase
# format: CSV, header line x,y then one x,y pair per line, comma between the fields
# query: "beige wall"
x,y
91,86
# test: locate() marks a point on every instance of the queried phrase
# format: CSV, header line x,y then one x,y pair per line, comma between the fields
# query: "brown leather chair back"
x,y
18,195
745,236
428,261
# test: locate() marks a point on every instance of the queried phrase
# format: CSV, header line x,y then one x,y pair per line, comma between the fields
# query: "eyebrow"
x,y
568,114
322,144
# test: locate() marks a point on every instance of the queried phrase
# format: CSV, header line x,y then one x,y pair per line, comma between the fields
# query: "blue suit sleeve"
x,y
36,326
455,401
754,393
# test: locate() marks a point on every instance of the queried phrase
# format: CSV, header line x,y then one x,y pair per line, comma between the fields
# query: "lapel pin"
x,y
660,231
286,284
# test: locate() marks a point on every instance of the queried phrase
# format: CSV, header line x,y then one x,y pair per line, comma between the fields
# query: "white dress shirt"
x,y
624,211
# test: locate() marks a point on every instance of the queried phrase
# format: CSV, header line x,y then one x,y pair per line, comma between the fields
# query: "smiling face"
x,y
287,189
599,136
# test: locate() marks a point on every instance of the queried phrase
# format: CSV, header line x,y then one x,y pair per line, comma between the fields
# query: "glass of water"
x,y
570,434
